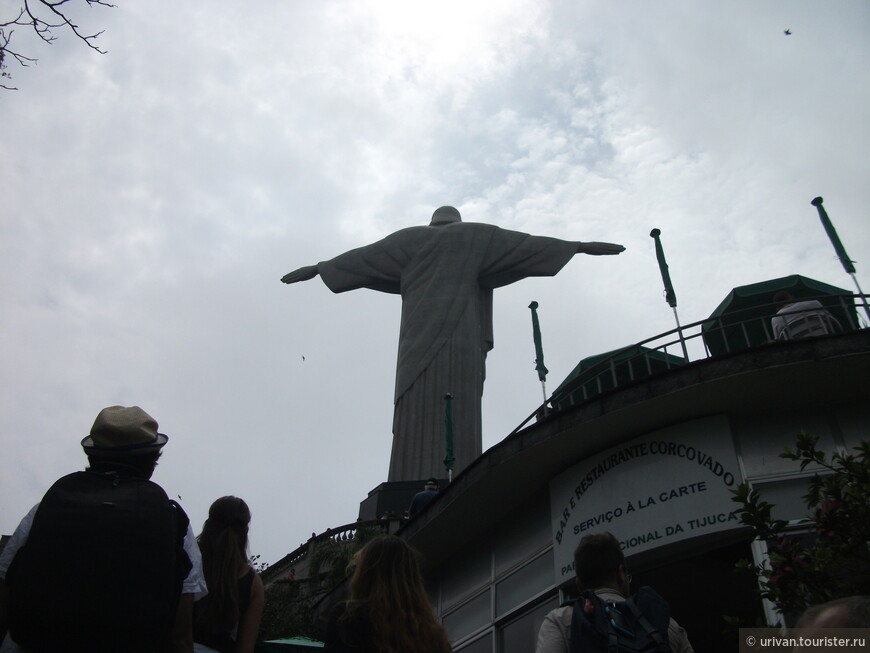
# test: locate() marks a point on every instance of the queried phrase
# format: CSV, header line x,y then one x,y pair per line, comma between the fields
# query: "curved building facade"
x,y
653,461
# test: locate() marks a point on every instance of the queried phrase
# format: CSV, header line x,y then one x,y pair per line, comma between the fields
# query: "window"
x,y
520,634
523,584
482,645
469,617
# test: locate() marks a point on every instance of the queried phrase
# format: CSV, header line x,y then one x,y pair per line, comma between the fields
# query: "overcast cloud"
x,y
153,198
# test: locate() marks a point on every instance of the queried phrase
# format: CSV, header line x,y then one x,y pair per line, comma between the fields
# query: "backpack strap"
x,y
661,644
612,639
591,626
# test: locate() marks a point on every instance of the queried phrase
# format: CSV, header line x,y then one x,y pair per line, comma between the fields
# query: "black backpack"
x,y
640,623
102,568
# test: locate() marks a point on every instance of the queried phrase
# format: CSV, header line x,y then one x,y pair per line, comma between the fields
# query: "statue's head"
x,y
445,215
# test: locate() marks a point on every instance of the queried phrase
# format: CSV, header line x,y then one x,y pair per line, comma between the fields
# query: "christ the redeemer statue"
x,y
445,273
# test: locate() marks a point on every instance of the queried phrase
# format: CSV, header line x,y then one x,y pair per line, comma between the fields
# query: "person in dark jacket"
x,y
424,498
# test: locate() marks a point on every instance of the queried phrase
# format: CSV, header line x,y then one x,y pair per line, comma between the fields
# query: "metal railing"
x,y
712,337
342,535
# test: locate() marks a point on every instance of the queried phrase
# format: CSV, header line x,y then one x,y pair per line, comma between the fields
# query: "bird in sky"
x,y
787,32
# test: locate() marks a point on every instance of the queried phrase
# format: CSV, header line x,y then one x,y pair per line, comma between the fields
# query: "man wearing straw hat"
x,y
106,561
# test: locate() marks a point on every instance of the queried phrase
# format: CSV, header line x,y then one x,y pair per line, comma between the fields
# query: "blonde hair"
x,y
387,591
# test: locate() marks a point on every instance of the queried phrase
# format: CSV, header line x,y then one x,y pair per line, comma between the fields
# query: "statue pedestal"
x,y
391,497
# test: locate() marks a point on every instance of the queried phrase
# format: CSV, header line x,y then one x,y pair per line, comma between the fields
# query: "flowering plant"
x,y
832,560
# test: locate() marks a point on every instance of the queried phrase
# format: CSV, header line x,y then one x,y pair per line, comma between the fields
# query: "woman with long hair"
x,y
388,610
228,618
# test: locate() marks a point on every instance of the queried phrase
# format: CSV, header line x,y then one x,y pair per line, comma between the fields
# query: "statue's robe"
x,y
446,275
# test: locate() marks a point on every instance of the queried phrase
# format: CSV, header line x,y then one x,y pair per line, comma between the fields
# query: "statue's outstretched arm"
x,y
302,274
599,249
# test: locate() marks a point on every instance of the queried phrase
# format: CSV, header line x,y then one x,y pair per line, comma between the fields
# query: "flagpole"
x,y
670,295
539,352
680,332
861,292
838,247
449,459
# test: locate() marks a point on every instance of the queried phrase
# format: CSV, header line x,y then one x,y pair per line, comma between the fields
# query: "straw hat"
x,y
121,431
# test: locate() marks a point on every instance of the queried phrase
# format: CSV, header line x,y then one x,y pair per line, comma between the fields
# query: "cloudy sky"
x,y
153,197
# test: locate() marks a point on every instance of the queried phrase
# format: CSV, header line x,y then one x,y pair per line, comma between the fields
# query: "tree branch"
x,y
32,14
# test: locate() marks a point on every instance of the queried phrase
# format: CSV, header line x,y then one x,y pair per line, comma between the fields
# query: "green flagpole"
x,y
539,352
832,234
448,424
838,247
670,295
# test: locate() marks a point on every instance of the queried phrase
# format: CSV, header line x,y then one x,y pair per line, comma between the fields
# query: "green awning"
x,y
742,320
603,372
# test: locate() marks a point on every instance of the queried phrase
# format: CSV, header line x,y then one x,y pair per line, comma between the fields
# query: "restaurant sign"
x,y
666,486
